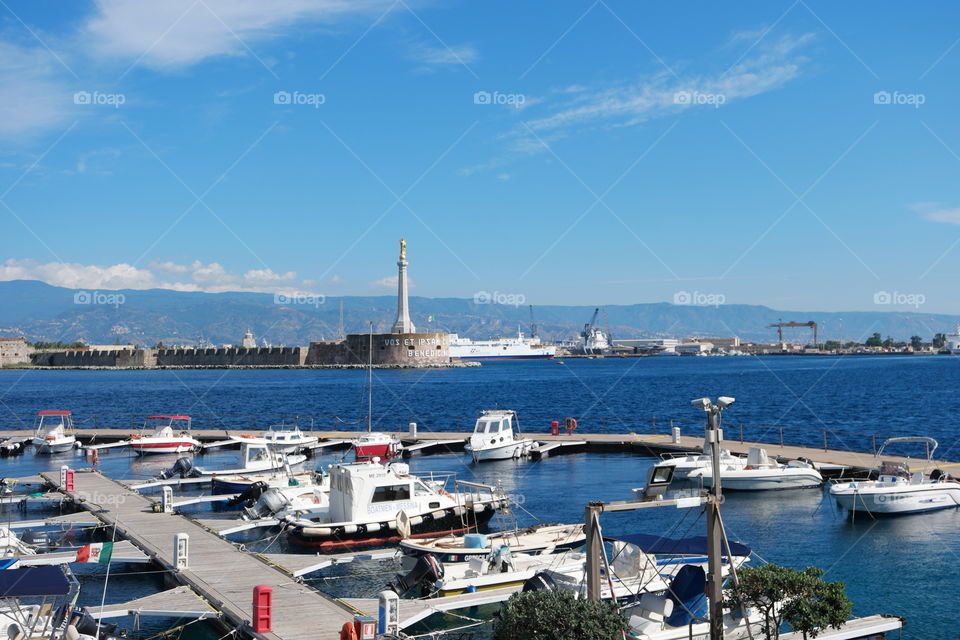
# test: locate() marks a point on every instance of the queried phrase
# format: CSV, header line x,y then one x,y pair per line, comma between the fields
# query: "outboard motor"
x,y
249,495
87,625
183,467
270,502
540,582
38,539
425,573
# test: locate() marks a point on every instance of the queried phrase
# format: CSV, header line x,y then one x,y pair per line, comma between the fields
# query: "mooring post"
x,y
262,605
824,440
181,551
166,499
389,622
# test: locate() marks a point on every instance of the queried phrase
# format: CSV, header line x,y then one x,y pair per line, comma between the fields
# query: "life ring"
x,y
135,436
348,631
570,424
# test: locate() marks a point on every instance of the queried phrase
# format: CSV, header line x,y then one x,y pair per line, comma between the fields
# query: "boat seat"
x,y
757,458
652,610
917,477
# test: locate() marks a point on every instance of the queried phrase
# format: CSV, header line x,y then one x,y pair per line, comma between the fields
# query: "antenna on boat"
x,y
370,380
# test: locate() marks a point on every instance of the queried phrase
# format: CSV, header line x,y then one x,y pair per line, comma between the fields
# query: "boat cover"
x,y
687,546
33,581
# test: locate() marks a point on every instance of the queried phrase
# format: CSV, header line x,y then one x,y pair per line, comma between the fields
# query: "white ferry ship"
x,y
519,348
953,341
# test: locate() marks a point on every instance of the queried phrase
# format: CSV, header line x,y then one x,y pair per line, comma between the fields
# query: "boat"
x,y
375,504
494,438
761,474
684,464
170,434
240,482
285,438
519,348
377,445
952,343
255,457
635,568
541,538
897,490
52,431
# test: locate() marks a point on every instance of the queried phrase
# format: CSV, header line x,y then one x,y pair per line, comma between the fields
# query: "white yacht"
x,y
166,434
953,341
255,457
897,490
683,465
760,474
537,539
53,431
519,348
494,438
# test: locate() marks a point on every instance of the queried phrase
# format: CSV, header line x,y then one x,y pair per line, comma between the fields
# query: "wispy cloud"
x,y
936,212
32,96
573,109
390,283
195,276
434,57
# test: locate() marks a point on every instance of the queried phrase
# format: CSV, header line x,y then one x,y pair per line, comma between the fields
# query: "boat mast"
x,y
370,380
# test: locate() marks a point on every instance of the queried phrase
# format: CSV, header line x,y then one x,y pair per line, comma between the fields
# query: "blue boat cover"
x,y
687,546
33,581
688,592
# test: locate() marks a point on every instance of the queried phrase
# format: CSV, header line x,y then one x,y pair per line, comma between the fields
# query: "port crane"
x,y
780,325
533,324
588,328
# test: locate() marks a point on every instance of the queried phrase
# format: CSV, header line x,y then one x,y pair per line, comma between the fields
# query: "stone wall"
x,y
234,356
14,351
388,348
89,358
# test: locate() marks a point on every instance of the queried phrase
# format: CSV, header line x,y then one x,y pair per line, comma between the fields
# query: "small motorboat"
x,y
272,479
255,457
377,445
540,539
760,474
494,438
375,504
684,464
285,438
167,434
53,431
897,490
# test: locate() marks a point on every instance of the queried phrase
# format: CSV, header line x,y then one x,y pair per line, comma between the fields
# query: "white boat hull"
x,y
509,451
763,479
145,446
897,500
61,445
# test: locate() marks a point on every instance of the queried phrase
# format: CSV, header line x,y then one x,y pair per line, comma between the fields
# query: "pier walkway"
x,y
218,570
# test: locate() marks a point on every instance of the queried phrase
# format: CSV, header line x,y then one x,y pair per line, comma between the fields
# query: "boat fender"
x,y
458,510
350,528
320,532
478,507
439,515
415,520
373,527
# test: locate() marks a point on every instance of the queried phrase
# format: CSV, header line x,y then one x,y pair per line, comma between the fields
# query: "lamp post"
x,y
713,436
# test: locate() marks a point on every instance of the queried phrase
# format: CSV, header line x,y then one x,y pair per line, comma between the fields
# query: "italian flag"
x,y
99,552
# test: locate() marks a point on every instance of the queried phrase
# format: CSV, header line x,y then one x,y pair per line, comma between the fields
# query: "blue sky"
x,y
569,152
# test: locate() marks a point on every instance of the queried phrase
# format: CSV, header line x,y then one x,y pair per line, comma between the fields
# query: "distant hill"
x,y
39,311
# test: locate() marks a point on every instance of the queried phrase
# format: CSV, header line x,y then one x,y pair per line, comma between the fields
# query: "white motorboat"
x,y
255,457
167,434
53,431
494,438
541,538
375,504
285,438
896,490
760,474
684,464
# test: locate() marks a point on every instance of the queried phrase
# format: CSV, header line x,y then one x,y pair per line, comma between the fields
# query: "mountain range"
x,y
41,312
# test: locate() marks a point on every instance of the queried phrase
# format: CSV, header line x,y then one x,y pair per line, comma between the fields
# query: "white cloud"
x,y
196,276
179,33
936,212
390,283
32,97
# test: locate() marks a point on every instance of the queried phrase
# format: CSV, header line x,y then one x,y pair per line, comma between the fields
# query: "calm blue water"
x,y
905,566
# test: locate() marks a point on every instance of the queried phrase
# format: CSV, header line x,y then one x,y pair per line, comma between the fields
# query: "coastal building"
x,y
249,342
14,351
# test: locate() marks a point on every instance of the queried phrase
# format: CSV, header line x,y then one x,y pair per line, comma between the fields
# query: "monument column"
x,y
403,323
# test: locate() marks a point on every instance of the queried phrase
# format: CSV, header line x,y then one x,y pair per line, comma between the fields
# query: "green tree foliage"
x,y
802,599
874,341
916,342
939,340
58,345
553,615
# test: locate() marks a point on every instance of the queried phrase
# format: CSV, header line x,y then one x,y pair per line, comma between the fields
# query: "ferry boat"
x,y
171,434
953,341
374,504
51,429
519,348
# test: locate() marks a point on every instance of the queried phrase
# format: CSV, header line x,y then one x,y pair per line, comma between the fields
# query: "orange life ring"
x,y
348,631
246,435
135,436
570,424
